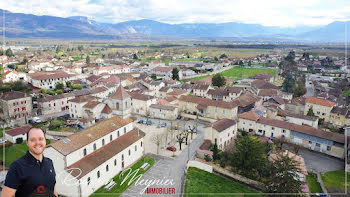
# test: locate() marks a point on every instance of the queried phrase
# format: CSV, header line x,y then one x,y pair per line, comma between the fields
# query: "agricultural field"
x,y
241,73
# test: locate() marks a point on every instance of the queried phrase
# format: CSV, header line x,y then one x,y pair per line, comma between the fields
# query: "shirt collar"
x,y
33,159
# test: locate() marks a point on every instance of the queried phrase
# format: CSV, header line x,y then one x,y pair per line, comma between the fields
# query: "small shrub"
x,y
207,158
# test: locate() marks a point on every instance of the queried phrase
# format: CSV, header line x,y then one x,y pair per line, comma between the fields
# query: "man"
x,y
32,173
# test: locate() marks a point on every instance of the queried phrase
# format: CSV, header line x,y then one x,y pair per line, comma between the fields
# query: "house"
x,y
276,101
247,121
321,107
163,72
264,76
221,132
93,156
163,91
201,90
114,69
309,137
76,105
337,116
11,76
165,112
295,118
187,72
177,93
258,85
48,80
247,101
17,135
208,108
156,86
15,105
233,92
141,103
54,105
218,95
296,106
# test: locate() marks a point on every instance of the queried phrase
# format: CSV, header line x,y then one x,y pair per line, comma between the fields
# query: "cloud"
x,y
268,12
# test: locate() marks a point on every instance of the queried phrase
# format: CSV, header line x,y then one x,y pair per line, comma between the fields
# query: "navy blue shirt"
x,y
27,173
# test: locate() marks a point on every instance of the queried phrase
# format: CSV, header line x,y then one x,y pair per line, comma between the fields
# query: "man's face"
x,y
36,141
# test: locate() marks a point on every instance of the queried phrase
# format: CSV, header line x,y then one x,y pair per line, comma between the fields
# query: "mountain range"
x,y
19,25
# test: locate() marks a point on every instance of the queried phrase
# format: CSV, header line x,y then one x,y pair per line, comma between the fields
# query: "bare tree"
x,y
180,138
191,130
147,114
185,134
157,139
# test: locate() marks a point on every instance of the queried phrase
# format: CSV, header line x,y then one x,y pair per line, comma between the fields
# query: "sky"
x,y
282,13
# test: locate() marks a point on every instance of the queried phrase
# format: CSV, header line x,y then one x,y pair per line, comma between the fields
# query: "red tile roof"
x,y
222,124
100,156
319,101
18,130
208,102
120,94
89,135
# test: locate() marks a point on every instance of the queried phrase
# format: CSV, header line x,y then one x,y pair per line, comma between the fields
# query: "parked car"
x,y
194,130
171,148
163,124
149,122
35,120
179,117
187,119
140,121
144,122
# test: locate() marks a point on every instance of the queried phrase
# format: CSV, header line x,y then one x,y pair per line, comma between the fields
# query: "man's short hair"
x,y
31,128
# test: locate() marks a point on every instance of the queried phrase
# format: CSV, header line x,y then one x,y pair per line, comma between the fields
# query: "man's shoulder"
x,y
47,159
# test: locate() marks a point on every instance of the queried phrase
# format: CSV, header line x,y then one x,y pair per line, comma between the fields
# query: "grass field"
x,y
119,189
336,179
14,152
240,73
200,182
313,184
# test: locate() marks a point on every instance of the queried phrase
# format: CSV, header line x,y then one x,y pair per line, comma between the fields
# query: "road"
x,y
165,168
310,90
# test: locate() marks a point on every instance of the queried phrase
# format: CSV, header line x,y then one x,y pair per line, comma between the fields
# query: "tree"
x,y
80,47
216,58
9,52
240,63
218,80
25,60
88,59
77,86
249,162
59,86
175,73
180,138
310,112
157,139
249,63
223,56
284,176
68,84
1,52
288,83
215,152
134,56
299,89
58,49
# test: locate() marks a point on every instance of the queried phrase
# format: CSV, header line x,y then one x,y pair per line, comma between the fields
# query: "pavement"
x,y
319,162
166,168
310,90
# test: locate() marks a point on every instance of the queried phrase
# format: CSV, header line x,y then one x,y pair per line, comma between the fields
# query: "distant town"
x,y
174,119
